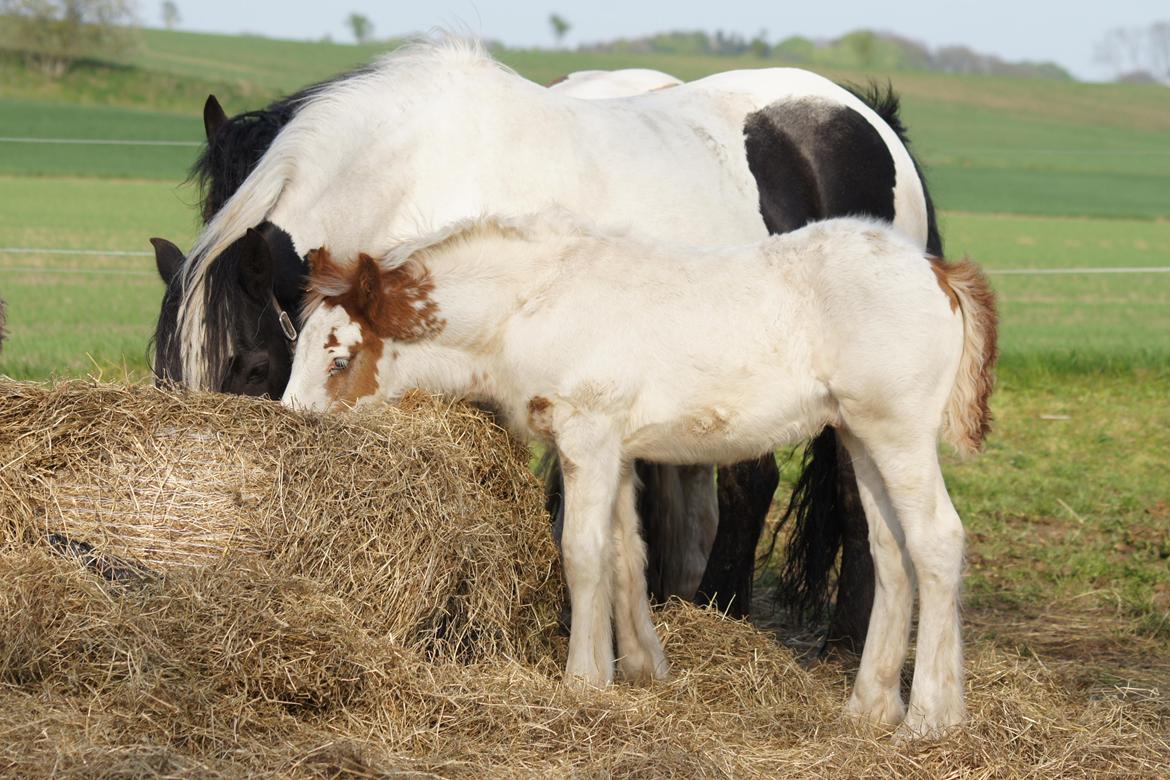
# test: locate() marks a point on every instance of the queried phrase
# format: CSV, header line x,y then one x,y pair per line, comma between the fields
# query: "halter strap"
x,y
286,323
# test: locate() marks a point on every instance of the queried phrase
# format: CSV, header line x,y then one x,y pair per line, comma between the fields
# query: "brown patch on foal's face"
x,y
379,305
360,379
938,265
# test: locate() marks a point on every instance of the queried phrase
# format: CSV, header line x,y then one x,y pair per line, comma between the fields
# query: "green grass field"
x,y
1069,509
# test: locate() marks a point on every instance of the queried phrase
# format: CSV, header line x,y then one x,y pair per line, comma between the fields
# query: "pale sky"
x,y
1063,32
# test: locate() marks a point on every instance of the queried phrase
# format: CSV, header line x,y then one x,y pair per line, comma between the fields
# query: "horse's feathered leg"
x,y
640,655
591,463
934,539
877,696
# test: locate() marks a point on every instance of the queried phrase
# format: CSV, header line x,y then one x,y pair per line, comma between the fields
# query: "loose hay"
x,y
332,636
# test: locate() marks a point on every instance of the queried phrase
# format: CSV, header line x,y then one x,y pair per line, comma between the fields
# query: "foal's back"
x,y
732,351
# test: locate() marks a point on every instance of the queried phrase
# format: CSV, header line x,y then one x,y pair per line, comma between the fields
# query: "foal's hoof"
x,y
642,669
587,679
883,709
918,725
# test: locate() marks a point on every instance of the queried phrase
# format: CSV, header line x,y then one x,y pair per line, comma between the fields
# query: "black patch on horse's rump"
x,y
812,159
884,102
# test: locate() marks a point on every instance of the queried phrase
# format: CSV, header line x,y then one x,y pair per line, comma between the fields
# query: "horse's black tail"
x,y
816,529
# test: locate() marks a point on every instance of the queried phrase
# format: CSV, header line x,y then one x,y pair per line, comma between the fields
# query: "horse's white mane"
x,y
412,68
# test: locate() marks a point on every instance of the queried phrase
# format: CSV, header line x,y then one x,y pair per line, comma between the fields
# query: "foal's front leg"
x,y
591,462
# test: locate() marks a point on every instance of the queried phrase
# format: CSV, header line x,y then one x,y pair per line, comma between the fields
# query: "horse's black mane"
x,y
239,143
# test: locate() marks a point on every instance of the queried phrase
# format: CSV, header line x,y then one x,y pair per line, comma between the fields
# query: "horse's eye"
x,y
258,374
338,365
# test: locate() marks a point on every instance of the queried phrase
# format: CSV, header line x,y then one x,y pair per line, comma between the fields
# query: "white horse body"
x,y
616,349
606,84
670,162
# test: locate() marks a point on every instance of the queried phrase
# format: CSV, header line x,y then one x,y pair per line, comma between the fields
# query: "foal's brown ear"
x,y
367,286
317,260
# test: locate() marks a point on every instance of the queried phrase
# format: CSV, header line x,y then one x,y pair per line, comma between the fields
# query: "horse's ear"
x,y
256,266
168,257
367,286
213,116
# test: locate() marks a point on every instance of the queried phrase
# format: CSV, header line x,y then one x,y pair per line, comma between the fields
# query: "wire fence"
x,y
26,250
10,139
175,143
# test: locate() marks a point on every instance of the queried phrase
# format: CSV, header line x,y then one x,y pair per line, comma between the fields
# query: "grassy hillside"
x,y
989,144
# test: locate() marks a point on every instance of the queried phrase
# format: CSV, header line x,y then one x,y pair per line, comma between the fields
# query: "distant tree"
x,y
863,43
1121,50
170,15
1159,50
795,49
361,27
759,45
1131,51
560,27
53,34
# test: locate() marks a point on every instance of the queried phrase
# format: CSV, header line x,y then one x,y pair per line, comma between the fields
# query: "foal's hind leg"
x,y
876,693
910,472
640,656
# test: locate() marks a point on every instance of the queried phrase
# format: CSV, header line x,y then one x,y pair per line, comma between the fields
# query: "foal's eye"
x,y
338,365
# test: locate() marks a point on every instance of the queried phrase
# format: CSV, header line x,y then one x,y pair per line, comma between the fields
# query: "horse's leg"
x,y
701,501
745,495
877,696
934,538
640,656
909,469
591,464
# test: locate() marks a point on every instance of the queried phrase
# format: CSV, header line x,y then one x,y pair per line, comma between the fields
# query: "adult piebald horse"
x,y
438,132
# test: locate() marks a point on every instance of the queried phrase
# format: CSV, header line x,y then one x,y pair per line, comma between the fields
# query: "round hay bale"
x,y
425,520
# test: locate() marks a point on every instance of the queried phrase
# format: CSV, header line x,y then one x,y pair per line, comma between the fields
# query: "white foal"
x,y
615,349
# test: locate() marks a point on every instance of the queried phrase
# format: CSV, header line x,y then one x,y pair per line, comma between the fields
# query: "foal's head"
x,y
358,320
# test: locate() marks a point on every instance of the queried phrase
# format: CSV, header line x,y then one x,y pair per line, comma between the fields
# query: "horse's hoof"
x,y
917,725
642,669
885,709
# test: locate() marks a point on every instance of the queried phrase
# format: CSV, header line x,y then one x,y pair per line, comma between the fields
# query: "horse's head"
x,y
360,320
248,295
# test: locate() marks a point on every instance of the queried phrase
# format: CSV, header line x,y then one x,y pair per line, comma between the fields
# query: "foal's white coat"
x,y
615,349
